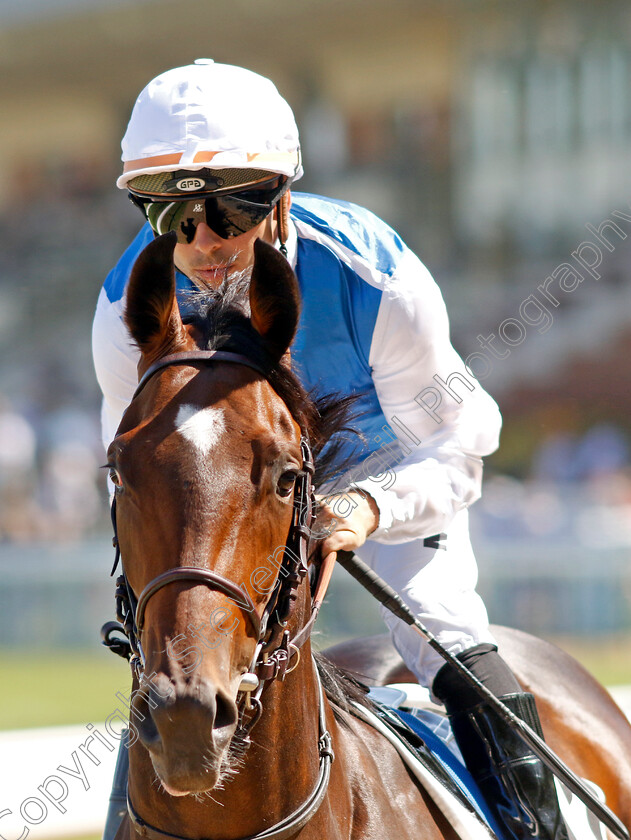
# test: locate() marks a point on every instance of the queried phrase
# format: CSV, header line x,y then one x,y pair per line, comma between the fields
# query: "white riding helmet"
x,y
210,116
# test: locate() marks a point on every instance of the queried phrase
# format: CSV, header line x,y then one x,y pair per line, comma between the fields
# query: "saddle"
x,y
421,733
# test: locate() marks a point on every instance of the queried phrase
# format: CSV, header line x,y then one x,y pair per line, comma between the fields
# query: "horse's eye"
x,y
286,482
115,477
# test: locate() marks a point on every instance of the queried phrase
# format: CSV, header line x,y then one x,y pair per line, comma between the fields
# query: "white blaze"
x,y
203,427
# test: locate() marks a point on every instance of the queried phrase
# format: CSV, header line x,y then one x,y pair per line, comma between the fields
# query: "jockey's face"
x,y
216,228
208,259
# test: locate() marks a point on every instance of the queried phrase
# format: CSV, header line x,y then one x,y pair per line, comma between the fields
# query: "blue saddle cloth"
x,y
428,735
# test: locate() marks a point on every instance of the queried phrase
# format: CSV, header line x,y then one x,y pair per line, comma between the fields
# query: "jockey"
x,y
211,152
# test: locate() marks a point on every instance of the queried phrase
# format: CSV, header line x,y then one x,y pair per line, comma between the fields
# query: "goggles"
x,y
226,214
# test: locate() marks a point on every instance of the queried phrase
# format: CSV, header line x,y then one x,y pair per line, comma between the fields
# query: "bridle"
x,y
274,648
273,643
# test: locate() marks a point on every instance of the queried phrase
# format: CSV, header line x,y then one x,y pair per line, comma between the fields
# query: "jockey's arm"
x,y
442,416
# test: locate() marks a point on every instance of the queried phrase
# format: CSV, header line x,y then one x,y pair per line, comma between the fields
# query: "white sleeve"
x,y
115,362
438,411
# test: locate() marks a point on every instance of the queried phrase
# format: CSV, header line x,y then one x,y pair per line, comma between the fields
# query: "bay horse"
x,y
233,736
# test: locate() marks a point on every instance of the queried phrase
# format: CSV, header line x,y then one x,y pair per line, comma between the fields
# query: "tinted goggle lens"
x,y
227,215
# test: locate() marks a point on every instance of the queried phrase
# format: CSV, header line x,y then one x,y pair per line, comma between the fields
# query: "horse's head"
x,y
205,464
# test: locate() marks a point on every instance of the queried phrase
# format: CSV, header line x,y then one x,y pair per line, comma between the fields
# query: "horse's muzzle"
x,y
186,730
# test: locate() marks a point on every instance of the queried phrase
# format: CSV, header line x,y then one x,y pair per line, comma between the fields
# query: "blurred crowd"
x,y
50,483
62,231
577,490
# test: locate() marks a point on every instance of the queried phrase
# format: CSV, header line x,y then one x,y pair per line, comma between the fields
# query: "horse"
x,y
232,734
581,721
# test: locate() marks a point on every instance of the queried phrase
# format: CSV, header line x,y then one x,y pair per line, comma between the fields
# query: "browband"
x,y
193,357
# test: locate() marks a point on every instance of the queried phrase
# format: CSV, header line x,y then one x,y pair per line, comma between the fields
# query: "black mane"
x,y
221,318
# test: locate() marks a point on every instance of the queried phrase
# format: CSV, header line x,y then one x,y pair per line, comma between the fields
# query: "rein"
x,y
274,649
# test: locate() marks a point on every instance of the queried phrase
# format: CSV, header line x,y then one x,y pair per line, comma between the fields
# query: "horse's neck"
x,y
279,769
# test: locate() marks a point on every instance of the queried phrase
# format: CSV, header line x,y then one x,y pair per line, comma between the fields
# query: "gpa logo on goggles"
x,y
190,184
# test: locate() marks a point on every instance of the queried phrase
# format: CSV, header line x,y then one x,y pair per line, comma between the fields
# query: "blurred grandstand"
x,y
490,135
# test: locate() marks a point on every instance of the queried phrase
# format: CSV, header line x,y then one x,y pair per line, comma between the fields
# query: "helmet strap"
x,y
282,220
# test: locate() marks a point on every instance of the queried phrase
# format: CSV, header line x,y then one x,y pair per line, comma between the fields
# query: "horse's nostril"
x,y
142,720
184,711
226,712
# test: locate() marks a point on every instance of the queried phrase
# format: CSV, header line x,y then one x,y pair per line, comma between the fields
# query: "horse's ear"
x,y
151,313
274,298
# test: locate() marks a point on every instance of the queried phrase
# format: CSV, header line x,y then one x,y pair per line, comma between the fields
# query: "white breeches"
x,y
438,584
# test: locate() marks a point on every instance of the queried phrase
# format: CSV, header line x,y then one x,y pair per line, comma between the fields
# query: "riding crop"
x,y
391,600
